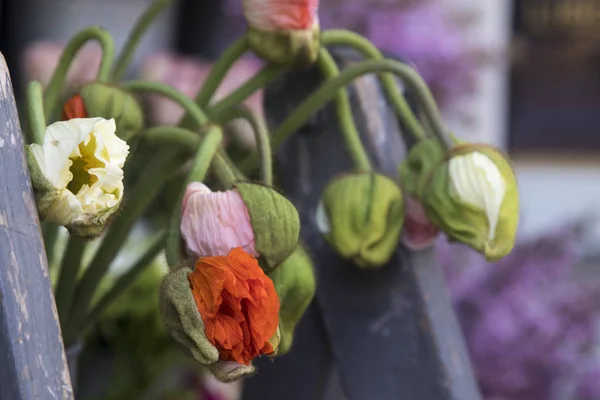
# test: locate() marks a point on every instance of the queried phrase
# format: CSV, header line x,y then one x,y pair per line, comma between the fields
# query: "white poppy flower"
x,y
78,173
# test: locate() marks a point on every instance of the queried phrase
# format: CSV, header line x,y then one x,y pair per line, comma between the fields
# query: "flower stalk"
x,y
337,37
134,38
202,161
330,70
52,92
35,112
326,92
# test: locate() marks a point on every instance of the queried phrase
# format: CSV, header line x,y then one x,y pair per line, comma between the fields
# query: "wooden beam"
x,y
391,333
32,360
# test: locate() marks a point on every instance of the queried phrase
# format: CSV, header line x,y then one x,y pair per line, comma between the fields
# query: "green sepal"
x,y
182,318
361,216
295,284
106,101
289,48
275,223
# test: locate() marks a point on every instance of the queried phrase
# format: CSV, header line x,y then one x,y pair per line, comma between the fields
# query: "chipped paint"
x,y
3,221
1,142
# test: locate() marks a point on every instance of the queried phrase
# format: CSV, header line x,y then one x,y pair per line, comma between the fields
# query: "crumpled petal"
x,y
213,223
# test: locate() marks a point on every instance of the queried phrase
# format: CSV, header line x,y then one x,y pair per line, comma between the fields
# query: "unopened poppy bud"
x,y
361,216
283,32
469,191
224,312
77,174
98,99
255,217
295,284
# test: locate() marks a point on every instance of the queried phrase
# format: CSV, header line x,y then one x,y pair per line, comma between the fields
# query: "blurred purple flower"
x,y
528,324
588,387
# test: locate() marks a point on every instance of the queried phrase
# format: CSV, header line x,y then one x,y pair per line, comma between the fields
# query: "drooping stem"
x,y
67,279
188,104
35,112
125,281
327,91
134,38
188,142
202,161
217,73
336,37
344,113
261,134
143,192
258,81
57,81
50,233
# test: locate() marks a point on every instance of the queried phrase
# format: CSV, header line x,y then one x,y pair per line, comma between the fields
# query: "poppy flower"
x,y
238,305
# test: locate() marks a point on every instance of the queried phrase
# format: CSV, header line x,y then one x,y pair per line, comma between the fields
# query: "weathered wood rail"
x,y
32,359
380,334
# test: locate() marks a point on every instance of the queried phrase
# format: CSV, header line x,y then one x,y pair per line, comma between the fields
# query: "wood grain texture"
x,y
32,360
392,333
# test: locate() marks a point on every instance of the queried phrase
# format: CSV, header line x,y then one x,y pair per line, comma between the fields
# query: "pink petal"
x,y
419,233
213,223
272,15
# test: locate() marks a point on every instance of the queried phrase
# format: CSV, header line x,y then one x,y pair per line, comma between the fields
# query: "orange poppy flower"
x,y
238,304
74,108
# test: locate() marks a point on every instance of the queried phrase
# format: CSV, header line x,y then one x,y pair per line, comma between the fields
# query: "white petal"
x,y
322,220
95,201
477,181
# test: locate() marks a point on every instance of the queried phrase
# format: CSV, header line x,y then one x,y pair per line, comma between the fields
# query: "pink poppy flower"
x,y
213,223
277,15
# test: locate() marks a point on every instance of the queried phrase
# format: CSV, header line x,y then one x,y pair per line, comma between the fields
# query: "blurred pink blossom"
x,y
40,59
187,75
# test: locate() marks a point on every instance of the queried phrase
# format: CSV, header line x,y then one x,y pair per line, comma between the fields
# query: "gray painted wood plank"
x,y
393,332
32,360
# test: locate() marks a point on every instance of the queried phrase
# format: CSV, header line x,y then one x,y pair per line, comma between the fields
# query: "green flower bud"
x,y
469,191
361,216
102,100
295,284
182,318
274,220
288,48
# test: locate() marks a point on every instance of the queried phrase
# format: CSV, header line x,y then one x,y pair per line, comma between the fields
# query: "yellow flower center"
x,y
82,163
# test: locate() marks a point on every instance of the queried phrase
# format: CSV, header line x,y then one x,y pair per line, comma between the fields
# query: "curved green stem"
x,y
261,134
258,81
141,26
202,161
35,112
69,272
344,113
172,135
188,104
188,142
125,281
338,37
143,192
50,233
328,90
217,73
57,81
